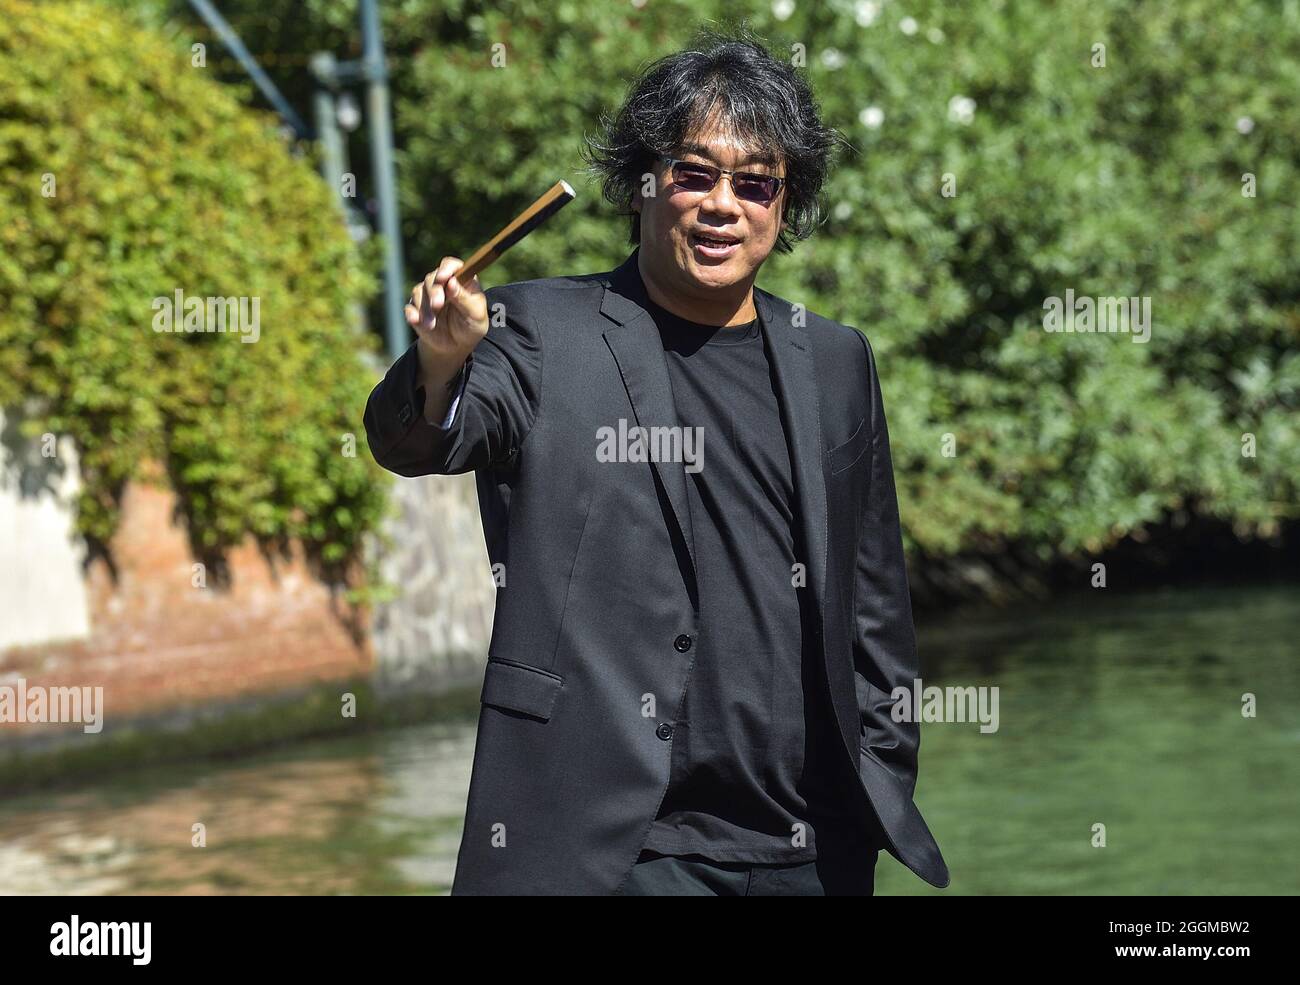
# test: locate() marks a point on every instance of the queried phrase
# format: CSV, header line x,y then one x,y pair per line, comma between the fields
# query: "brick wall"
x,y
157,642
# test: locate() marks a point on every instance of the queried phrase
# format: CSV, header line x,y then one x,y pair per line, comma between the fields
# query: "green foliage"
x,y
1122,180
163,181
1117,181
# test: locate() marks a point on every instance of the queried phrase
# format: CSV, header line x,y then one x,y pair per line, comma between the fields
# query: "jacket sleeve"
x,y
884,639
498,403
460,392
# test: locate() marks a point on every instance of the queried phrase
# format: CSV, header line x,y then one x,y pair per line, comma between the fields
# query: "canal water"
x,y
1122,764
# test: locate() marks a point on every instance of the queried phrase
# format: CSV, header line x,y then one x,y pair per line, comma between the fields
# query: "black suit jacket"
x,y
599,587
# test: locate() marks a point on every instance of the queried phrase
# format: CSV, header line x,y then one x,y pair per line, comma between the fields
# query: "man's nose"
x,y
721,198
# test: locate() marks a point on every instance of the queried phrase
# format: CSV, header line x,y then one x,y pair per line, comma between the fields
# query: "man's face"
x,y
673,219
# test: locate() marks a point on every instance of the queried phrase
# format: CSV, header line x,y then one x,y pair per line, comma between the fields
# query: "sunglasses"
x,y
693,176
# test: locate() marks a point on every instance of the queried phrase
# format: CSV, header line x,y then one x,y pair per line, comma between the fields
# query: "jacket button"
x,y
682,643
664,731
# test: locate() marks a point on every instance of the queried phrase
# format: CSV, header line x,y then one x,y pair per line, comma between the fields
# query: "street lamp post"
x,y
397,332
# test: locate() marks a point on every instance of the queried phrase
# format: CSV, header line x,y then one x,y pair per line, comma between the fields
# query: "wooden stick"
x,y
556,197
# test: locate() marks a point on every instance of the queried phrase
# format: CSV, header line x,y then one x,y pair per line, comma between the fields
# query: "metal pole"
x,y
263,82
397,332
331,140
334,153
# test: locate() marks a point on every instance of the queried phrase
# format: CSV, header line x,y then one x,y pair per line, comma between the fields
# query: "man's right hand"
x,y
449,319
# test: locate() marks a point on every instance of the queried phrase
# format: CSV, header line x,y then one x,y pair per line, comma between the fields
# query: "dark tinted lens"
x,y
754,187
693,177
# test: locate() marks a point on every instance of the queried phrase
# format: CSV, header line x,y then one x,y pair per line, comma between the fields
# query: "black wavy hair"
x,y
730,76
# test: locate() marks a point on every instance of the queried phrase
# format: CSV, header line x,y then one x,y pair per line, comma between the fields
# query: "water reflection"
x,y
380,814
1126,712
1120,711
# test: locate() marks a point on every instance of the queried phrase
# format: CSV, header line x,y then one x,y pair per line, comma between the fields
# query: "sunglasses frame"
x,y
718,174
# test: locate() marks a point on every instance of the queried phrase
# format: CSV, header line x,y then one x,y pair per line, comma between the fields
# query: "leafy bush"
x,y
1122,180
163,181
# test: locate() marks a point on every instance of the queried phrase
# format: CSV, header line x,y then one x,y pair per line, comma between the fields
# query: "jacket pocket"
x,y
518,687
844,456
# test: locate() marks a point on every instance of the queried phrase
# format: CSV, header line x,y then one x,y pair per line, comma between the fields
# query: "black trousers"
x,y
692,875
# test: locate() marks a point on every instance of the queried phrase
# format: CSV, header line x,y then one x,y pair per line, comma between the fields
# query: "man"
x,y
688,483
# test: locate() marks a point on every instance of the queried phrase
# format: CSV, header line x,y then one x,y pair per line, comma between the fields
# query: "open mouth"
x,y
714,247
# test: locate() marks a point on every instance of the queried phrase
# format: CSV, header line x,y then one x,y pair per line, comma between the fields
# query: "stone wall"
x,y
42,596
435,634
160,636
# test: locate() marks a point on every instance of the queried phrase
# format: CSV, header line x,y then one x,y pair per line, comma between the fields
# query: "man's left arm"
x,y
884,639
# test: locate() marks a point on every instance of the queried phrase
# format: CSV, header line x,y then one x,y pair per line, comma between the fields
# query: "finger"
x,y
432,295
412,307
464,290
447,267
428,310
465,300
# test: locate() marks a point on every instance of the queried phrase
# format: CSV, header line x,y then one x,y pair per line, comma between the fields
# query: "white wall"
x,y
42,591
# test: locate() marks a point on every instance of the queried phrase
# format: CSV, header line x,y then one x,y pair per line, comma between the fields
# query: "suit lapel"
x,y
634,341
790,350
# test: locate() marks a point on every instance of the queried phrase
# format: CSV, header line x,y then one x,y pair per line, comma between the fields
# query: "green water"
x,y
1123,711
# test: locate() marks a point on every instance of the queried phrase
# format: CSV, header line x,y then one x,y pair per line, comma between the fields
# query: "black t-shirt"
x,y
753,742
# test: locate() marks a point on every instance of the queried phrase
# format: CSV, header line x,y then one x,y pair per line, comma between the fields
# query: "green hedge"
x,y
1123,180
1115,181
163,181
